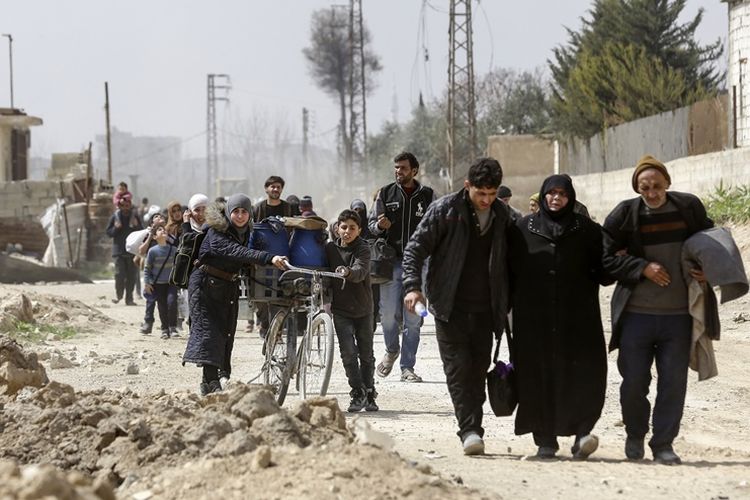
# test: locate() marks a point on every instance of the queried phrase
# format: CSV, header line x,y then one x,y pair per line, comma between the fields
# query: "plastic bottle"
x,y
420,309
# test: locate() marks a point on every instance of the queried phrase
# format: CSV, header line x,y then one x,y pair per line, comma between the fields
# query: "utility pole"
x,y
462,121
109,133
212,149
356,153
10,59
305,138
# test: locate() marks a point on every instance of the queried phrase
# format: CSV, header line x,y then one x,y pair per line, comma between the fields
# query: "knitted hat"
x,y
238,201
197,200
647,162
534,197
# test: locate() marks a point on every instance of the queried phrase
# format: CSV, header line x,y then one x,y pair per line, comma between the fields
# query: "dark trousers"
x,y
150,306
465,344
165,296
645,338
355,345
125,275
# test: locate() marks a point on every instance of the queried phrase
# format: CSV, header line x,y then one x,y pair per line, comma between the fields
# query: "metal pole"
x,y
109,134
10,58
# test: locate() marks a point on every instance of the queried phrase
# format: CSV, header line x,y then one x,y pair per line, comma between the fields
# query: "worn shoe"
x,y
408,375
585,447
634,448
667,456
130,302
115,301
146,327
546,452
473,444
165,334
210,387
174,332
386,365
371,405
358,402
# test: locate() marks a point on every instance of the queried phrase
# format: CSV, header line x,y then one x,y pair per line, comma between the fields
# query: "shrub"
x,y
729,204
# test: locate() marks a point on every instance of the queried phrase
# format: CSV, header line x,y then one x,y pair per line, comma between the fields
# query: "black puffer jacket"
x,y
213,301
443,236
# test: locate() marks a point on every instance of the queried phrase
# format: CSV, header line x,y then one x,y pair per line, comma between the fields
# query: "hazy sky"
x,y
156,54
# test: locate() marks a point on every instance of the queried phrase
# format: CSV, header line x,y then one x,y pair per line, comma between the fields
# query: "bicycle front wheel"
x,y
276,372
317,356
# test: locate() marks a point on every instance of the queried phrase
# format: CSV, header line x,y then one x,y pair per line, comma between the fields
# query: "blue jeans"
x,y
393,315
355,345
666,339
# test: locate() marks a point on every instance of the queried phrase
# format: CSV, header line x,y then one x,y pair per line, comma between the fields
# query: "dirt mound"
x,y
50,310
45,481
18,369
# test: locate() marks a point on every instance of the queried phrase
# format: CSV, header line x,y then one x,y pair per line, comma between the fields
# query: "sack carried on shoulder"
x,y
502,391
382,256
184,260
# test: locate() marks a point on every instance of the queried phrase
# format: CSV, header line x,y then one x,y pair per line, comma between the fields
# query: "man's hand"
x,y
343,271
186,215
148,288
657,273
697,274
411,299
280,261
118,224
384,222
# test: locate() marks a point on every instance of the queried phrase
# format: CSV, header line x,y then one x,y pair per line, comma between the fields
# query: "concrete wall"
x,y
526,160
29,199
699,128
699,175
738,79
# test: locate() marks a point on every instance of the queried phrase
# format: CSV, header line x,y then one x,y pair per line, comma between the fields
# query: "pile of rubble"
x,y
42,309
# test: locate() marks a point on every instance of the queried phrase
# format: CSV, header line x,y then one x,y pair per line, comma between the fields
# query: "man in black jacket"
x,y
399,207
464,235
123,222
650,320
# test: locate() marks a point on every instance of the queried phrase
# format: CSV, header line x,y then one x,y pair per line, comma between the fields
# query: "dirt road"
x,y
714,442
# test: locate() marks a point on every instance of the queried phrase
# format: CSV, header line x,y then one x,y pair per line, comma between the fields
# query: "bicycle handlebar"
x,y
312,272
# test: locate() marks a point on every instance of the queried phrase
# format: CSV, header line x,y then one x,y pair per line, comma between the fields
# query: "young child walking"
x,y
349,256
156,272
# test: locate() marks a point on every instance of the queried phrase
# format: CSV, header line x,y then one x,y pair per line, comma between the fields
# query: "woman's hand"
x,y
343,271
186,215
657,273
280,261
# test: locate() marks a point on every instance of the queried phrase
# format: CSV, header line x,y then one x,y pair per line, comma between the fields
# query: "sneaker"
x,y
174,332
213,386
146,327
667,456
584,447
408,375
204,388
371,405
165,334
473,444
546,452
634,448
224,382
386,365
358,402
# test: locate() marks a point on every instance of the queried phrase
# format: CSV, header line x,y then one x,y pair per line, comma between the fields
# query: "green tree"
x,y
644,36
329,60
511,102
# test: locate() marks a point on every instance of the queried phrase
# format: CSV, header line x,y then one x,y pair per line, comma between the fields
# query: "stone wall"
x,y
29,199
738,51
699,175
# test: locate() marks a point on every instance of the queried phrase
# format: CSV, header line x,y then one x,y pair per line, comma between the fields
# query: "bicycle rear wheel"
x,y
276,372
316,361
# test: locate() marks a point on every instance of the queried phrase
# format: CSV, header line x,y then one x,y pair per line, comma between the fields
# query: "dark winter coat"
x,y
443,236
404,212
355,299
120,235
213,301
558,343
623,250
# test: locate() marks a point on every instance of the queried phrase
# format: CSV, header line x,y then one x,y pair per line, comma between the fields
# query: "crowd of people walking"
x,y
483,269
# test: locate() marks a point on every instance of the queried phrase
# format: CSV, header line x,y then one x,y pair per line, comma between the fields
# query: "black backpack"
x,y
186,258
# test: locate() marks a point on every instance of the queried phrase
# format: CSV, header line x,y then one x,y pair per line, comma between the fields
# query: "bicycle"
x,y
311,362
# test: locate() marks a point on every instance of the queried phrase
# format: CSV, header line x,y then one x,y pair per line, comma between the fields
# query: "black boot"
x,y
359,400
371,405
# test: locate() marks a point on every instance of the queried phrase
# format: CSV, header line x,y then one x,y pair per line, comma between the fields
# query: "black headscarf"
x,y
555,223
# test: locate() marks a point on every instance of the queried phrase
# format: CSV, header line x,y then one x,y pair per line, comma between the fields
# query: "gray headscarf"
x,y
238,201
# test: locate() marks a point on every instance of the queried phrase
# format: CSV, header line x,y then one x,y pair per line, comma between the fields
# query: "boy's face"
x,y
161,236
348,230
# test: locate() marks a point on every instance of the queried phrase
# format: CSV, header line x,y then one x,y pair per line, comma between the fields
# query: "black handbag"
x,y
502,391
382,256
